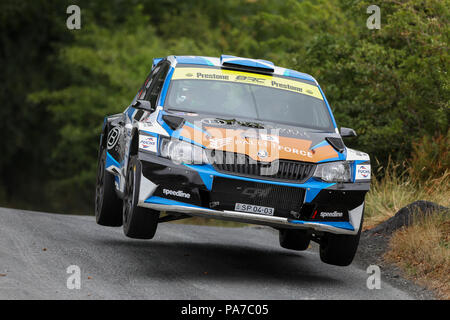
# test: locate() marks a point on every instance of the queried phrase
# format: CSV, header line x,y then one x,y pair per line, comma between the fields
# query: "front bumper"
x,y
200,190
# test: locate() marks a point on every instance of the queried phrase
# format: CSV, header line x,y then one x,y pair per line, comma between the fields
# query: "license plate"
x,y
242,207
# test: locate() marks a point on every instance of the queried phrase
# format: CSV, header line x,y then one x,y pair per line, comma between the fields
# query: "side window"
x,y
156,84
148,82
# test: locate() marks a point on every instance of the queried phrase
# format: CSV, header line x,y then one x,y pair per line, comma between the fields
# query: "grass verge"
x,y
422,252
396,190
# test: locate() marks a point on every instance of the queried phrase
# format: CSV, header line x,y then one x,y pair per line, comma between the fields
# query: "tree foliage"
x,y
391,85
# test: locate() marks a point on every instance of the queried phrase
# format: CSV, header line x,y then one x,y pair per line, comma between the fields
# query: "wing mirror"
x,y
143,105
347,132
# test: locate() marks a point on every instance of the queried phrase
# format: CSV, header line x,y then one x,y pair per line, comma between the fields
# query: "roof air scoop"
x,y
246,64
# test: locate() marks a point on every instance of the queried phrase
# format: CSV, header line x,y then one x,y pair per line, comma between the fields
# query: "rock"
x,y
406,215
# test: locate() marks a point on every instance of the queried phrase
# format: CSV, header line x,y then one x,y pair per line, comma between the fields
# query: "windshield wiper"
x,y
177,110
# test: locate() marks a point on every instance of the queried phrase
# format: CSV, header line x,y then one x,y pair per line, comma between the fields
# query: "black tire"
x,y
339,249
108,206
138,223
294,239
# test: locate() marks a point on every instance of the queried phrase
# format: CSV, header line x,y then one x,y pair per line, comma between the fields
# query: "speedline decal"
x,y
246,77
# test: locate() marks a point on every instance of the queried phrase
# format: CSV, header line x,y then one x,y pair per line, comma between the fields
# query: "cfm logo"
x,y
256,192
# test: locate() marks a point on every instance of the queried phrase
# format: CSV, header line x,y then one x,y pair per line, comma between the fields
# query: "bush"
x,y
430,158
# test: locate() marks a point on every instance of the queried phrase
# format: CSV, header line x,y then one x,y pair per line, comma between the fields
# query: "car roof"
x,y
238,63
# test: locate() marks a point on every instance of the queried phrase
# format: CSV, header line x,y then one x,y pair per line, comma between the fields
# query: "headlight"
x,y
182,152
334,171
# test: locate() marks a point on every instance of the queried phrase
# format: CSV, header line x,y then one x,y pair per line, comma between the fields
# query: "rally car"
x,y
235,139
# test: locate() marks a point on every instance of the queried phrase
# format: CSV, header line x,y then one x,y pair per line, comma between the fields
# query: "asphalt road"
x,y
181,262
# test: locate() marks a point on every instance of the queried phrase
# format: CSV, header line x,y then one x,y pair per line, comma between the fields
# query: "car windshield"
x,y
252,101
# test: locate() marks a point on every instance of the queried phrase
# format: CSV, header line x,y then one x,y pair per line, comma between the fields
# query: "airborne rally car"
x,y
234,139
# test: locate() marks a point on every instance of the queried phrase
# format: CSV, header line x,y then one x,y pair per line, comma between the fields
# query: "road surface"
x,y
181,262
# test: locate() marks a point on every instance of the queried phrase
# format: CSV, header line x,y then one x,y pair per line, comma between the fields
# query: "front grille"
x,y
240,164
226,193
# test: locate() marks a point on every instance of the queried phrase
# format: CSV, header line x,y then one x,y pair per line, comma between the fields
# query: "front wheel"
x,y
294,239
138,222
339,249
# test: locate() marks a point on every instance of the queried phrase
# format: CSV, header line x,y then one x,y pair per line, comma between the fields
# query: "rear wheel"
x,y
294,239
138,222
339,249
108,206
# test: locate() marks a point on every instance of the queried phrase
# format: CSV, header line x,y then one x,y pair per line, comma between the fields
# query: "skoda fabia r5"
x,y
234,139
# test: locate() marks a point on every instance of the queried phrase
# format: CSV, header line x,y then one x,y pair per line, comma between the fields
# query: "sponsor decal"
x,y
304,153
269,138
202,75
214,204
334,214
250,141
246,77
260,136
148,124
250,79
217,143
148,120
362,172
262,154
113,137
256,192
178,193
289,87
152,122
293,132
147,143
